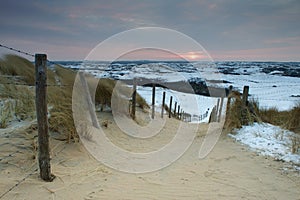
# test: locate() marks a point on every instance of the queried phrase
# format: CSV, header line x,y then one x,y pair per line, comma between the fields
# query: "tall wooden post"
x,y
178,112
170,107
153,101
133,99
163,104
245,95
41,114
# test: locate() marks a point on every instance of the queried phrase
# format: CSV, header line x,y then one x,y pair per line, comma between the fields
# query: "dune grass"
x,y
293,122
17,103
286,119
239,114
60,80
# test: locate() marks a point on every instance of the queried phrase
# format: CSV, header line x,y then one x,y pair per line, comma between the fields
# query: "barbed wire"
x,y
27,176
10,155
19,182
30,54
16,50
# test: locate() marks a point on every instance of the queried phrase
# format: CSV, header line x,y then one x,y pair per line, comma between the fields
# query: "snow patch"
x,y
268,140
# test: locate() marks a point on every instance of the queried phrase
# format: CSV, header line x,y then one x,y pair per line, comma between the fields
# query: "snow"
x,y
268,140
196,105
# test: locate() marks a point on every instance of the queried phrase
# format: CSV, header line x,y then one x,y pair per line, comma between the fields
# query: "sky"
x,y
254,30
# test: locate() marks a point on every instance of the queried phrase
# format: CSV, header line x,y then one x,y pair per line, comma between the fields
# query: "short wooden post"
x,y
163,104
133,99
217,109
153,101
220,109
175,108
178,112
230,89
170,107
91,107
229,98
245,95
41,114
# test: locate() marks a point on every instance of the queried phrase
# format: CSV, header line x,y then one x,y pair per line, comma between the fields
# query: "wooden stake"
x,y
175,108
133,99
88,97
245,95
42,119
163,104
220,109
170,107
153,101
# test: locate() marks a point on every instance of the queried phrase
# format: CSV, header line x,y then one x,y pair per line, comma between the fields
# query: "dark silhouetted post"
x,y
41,114
245,95
175,108
163,104
170,107
153,101
133,99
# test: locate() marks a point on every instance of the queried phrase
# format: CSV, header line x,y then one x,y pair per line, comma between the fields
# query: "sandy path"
x,y
228,172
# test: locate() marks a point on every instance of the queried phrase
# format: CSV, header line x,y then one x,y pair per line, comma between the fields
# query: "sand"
x,y
230,171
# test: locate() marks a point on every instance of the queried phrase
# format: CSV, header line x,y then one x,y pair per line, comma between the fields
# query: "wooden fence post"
x,y
170,107
245,95
42,119
163,104
89,101
133,99
230,89
217,109
178,112
153,100
175,108
220,109
229,98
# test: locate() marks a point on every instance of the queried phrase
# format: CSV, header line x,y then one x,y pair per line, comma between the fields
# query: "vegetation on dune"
x,y
239,114
293,122
15,69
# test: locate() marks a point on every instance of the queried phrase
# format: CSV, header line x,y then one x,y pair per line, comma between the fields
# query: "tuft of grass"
x,y
19,67
239,114
5,114
21,99
293,122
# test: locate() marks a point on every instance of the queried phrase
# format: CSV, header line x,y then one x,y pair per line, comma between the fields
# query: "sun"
x,y
192,55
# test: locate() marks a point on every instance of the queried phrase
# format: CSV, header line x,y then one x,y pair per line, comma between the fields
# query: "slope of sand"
x,y
228,172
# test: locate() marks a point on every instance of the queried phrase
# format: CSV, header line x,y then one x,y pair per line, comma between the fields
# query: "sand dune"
x,y
228,172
